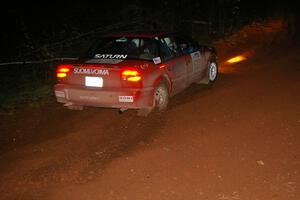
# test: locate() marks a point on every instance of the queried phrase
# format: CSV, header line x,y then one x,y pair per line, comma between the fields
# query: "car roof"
x,y
139,34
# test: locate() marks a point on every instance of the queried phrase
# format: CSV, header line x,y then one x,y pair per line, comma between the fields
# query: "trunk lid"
x,y
100,73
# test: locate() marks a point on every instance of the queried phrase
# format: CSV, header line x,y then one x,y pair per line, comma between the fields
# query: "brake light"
x,y
134,79
62,71
132,75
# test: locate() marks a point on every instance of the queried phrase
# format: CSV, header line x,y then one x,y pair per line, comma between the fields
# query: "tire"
x,y
161,97
212,72
161,100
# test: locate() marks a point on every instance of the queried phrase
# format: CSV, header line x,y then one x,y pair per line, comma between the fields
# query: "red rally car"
x,y
135,71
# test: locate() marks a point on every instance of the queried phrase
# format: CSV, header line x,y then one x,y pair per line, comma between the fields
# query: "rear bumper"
x,y
131,98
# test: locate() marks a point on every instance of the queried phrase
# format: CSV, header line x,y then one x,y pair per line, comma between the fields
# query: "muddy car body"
x,y
135,71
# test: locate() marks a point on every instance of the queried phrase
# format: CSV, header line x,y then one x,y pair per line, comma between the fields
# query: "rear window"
x,y
132,48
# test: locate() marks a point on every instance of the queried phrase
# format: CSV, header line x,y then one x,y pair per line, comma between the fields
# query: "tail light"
x,y
132,75
62,71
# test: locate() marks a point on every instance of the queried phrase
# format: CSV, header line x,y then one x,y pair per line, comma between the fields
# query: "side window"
x,y
165,52
131,46
172,45
187,45
184,45
194,44
148,49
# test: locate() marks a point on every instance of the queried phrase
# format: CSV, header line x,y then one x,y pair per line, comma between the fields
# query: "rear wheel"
x,y
161,100
161,97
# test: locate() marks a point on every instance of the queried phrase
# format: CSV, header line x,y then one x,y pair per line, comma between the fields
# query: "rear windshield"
x,y
124,47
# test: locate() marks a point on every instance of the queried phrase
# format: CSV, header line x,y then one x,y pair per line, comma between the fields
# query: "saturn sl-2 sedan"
x,y
135,71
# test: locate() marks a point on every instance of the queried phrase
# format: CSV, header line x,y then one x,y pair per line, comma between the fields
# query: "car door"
x,y
194,53
175,62
186,48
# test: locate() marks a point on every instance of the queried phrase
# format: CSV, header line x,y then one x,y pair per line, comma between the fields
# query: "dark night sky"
x,y
40,14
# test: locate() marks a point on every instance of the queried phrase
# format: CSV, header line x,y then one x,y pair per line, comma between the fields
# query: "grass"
x,y
24,85
28,96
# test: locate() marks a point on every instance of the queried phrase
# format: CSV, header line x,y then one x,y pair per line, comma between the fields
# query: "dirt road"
x,y
239,139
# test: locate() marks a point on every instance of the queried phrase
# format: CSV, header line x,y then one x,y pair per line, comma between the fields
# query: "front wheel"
x,y
212,72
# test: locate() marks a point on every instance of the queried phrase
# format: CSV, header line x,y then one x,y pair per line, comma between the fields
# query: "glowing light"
x,y
236,59
162,66
62,71
61,75
134,78
131,75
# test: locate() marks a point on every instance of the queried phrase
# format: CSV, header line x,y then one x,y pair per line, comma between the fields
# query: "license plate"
x,y
126,99
93,81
